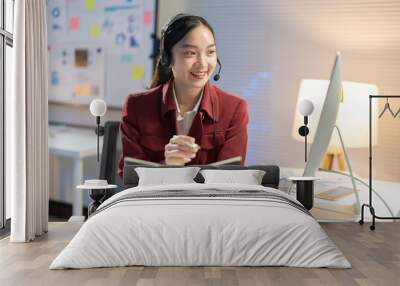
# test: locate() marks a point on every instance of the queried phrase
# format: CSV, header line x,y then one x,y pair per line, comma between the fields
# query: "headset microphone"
x,y
217,76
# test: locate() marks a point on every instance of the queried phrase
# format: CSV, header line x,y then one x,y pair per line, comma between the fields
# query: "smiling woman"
x,y
183,119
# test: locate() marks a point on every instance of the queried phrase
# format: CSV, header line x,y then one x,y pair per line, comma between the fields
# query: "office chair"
x,y
110,156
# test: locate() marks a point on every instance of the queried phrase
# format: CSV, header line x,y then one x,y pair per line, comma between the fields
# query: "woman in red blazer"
x,y
183,119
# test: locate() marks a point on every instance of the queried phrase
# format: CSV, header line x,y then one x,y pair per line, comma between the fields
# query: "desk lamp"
x,y
97,188
352,118
98,108
306,107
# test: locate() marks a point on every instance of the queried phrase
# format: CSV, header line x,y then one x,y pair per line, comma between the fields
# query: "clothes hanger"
x,y
397,113
387,107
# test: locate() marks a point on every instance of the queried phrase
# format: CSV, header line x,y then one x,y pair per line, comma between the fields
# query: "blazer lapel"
x,y
168,107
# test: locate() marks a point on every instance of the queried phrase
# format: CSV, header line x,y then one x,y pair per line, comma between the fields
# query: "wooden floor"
x,y
374,255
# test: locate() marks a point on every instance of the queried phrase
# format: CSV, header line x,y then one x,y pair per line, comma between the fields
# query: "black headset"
x,y
168,29
165,31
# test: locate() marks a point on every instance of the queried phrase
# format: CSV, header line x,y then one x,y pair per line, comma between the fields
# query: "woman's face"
x,y
194,58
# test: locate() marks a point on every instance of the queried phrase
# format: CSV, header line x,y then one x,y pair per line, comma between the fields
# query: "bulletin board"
x,y
100,49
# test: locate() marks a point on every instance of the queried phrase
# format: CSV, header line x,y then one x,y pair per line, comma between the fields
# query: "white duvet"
x,y
200,231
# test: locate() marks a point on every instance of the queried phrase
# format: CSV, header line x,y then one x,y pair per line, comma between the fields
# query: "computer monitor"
x,y
326,121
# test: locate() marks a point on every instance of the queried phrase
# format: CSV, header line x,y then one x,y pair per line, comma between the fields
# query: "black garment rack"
x,y
370,206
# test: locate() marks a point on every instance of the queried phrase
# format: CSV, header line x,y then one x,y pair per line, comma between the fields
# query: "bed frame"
x,y
270,179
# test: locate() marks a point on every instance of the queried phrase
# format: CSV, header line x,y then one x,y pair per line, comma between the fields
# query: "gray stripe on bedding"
x,y
206,194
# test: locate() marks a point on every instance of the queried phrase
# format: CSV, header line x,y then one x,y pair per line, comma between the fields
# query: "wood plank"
x,y
335,193
374,255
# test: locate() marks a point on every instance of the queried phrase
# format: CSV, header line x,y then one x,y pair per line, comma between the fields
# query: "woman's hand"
x,y
180,150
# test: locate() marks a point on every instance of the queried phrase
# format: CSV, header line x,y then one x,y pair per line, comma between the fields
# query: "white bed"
x,y
207,230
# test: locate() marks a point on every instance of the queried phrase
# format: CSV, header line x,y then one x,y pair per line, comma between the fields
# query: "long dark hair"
x,y
171,34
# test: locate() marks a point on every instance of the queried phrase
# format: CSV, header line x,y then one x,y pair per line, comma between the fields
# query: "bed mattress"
x,y
201,225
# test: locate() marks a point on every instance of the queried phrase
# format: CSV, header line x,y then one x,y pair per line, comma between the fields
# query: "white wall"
x,y
268,46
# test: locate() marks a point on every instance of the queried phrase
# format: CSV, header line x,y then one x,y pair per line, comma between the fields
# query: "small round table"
x,y
96,193
304,190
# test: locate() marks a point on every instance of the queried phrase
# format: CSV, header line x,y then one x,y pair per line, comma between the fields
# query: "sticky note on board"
x,y
81,57
120,39
74,23
56,27
95,31
147,17
126,58
55,12
90,5
54,78
86,90
133,42
137,72
342,94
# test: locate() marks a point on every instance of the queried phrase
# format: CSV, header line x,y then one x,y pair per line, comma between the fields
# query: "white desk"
x,y
76,144
344,208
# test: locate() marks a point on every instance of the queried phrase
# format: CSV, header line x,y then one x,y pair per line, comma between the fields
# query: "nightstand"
x,y
304,190
96,193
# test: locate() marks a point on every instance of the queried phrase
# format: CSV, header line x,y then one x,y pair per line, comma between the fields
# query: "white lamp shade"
x,y
98,107
353,116
306,107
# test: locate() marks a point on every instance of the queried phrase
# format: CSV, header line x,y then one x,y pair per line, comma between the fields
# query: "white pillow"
x,y
248,177
164,176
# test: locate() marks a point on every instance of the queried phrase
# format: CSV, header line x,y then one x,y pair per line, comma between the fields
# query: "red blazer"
x,y
148,122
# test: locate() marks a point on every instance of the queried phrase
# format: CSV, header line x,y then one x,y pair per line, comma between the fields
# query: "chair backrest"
x,y
110,154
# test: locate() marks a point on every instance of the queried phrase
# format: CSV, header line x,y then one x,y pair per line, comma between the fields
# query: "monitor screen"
x,y
326,121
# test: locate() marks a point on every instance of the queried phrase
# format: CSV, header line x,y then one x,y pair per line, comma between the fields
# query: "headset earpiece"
x,y
166,30
164,61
